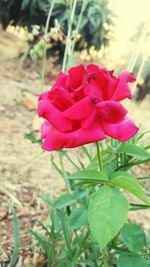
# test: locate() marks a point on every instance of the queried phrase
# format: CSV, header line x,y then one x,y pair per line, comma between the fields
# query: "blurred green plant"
x,y
32,137
139,62
92,30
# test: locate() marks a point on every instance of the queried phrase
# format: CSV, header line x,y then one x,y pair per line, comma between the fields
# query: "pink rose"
x,y
84,106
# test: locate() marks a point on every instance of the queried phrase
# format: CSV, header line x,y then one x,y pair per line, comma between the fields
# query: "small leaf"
x,y
130,260
129,183
32,137
88,175
78,195
78,218
66,230
47,199
64,201
138,206
104,219
148,238
143,177
134,151
44,243
25,4
16,239
133,237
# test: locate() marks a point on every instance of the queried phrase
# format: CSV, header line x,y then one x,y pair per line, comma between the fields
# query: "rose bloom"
x,y
83,106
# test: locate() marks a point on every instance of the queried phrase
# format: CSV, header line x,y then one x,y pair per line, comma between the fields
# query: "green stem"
x,y
99,157
117,158
81,247
79,23
72,162
104,254
61,162
87,153
45,45
68,39
105,259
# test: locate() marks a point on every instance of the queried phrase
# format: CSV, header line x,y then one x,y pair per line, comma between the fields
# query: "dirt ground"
x,y
25,170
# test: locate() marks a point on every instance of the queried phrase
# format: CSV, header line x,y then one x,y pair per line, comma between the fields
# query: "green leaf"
x,y
64,263
134,151
43,226
66,230
138,206
104,219
88,175
143,177
55,222
93,164
64,201
16,239
88,263
129,260
133,237
148,238
84,148
129,183
78,218
32,137
25,4
44,243
47,199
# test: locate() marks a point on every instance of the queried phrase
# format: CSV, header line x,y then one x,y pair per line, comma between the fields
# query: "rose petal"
x,y
112,85
78,93
122,131
95,85
80,110
54,116
92,68
87,123
56,140
44,96
110,110
60,98
76,75
45,127
60,80
123,90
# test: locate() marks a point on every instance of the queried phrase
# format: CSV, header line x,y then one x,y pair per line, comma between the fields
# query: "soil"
x,y
25,170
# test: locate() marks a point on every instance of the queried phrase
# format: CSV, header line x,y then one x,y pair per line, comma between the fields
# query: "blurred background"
x,y
112,33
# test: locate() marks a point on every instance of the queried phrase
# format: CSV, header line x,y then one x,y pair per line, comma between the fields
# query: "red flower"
x,y
84,106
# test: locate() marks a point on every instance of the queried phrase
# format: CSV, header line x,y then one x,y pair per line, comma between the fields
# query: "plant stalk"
x,y
79,23
45,45
99,157
105,259
81,247
68,39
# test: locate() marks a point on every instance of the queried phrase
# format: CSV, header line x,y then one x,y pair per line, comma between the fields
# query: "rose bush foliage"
x,y
83,106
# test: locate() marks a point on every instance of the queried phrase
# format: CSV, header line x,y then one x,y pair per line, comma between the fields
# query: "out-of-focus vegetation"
x,y
141,60
94,29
